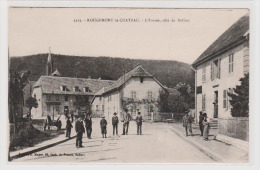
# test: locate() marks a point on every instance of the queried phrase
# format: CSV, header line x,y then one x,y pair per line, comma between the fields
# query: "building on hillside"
x,y
219,68
57,95
136,90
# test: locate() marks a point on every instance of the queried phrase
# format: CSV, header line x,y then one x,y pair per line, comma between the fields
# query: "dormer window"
x,y
86,89
76,89
64,88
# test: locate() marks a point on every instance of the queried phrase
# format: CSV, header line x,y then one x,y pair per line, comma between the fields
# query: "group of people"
x,y
203,124
80,129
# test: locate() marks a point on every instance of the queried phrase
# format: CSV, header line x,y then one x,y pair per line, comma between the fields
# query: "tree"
x,y
240,98
17,83
177,104
30,103
163,101
187,94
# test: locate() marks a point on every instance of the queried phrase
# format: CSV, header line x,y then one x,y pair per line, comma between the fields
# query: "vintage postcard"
x,y
128,85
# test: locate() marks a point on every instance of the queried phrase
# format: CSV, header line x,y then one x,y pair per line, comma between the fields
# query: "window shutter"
x,y
211,70
224,99
219,67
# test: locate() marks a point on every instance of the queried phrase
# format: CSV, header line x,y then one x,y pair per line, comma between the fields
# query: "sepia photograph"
x,y
128,85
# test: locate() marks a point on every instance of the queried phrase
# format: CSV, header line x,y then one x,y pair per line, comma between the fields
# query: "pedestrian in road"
x,y
88,125
187,121
139,121
206,127
103,126
47,122
79,127
68,127
115,124
201,118
126,119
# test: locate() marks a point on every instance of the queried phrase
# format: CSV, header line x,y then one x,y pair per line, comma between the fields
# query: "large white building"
x,y
136,90
219,68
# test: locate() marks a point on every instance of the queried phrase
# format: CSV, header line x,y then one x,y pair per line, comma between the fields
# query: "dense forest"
x,y
169,73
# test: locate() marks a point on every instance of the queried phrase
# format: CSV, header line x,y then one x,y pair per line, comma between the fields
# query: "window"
x,y
150,95
57,108
48,108
231,63
97,108
215,69
204,74
141,79
66,98
103,108
57,98
150,109
86,89
48,97
34,96
225,99
64,88
76,89
203,101
133,94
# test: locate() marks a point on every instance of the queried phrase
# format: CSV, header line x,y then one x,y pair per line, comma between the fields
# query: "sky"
x,y
177,34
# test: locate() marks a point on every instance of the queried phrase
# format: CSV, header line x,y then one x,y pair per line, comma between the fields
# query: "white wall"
x,y
227,80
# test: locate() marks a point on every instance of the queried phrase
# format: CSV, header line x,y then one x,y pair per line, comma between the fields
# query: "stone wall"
x,y
234,127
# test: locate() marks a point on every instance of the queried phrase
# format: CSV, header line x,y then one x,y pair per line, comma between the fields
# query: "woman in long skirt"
x,y
206,127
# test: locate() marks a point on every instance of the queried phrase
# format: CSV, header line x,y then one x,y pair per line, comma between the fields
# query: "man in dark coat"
x,y
115,123
79,127
88,125
201,117
187,121
139,121
68,127
103,126
126,119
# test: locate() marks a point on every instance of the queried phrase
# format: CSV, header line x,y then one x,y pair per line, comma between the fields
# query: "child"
x,y
103,126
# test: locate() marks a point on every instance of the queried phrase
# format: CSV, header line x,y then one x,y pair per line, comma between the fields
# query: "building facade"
x,y
219,69
137,90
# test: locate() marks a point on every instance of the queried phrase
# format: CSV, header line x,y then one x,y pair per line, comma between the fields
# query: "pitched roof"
x,y
231,36
138,71
53,84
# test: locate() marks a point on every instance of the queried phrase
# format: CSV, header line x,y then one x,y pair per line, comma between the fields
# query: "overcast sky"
x,y
33,30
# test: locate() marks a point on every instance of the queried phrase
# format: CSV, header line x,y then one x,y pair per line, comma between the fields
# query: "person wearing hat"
x,y
126,119
79,127
88,125
187,121
68,127
206,127
139,121
201,118
103,126
115,124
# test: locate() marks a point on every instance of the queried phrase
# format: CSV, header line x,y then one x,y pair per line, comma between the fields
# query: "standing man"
x,y
201,118
139,121
115,124
126,120
47,122
187,121
103,126
68,127
79,127
88,124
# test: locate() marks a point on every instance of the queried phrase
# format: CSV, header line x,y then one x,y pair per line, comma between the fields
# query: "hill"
x,y
167,72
